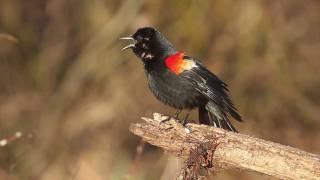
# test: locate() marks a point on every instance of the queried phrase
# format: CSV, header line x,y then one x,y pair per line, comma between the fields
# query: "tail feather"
x,y
204,116
211,115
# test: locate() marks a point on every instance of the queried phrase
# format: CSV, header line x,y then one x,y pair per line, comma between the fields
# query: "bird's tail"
x,y
211,115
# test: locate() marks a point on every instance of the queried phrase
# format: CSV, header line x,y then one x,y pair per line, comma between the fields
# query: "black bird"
x,y
181,81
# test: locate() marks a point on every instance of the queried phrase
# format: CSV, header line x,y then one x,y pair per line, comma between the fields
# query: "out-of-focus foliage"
x,y
69,89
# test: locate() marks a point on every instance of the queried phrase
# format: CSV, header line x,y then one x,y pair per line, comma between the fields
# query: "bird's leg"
x,y
176,115
185,120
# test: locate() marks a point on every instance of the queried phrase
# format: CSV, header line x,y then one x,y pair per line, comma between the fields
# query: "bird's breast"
x,y
173,90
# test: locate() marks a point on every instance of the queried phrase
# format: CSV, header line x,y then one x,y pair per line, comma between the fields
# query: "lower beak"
x,y
131,45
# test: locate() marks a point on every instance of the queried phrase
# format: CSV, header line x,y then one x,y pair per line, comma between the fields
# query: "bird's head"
x,y
148,43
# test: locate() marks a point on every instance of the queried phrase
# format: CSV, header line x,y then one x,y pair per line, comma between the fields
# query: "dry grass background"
x,y
67,87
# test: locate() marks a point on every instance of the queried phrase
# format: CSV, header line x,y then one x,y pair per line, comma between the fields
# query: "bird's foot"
x,y
165,119
184,122
175,116
185,119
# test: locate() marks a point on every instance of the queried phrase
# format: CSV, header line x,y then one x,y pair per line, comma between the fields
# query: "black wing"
x,y
210,86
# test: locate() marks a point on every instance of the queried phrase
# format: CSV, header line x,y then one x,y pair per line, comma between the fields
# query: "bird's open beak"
x,y
131,45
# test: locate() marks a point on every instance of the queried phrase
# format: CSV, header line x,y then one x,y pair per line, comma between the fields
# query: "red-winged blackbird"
x,y
181,81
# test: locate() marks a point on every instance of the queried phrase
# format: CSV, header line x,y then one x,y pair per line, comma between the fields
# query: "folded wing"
x,y
210,86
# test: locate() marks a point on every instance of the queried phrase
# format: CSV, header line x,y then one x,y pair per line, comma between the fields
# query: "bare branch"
x,y
218,149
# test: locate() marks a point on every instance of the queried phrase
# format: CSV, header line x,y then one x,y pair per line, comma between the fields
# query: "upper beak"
x,y
127,38
131,45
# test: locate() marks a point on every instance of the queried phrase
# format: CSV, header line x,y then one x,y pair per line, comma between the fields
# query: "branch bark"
x,y
217,148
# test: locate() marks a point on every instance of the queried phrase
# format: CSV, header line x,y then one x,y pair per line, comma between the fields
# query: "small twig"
x,y
5,141
137,157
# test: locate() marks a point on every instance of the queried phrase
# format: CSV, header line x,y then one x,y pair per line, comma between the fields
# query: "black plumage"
x,y
182,82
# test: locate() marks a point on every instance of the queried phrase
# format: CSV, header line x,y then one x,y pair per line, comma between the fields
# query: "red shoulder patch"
x,y
177,64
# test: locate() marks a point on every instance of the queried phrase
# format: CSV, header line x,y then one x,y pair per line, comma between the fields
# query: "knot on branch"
x,y
200,157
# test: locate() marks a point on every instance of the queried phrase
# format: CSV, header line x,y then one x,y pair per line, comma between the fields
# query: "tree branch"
x,y
213,147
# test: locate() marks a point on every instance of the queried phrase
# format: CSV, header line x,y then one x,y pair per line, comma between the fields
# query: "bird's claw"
x,y
183,122
166,119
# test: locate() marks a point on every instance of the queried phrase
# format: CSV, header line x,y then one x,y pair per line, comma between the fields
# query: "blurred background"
x,y
67,87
